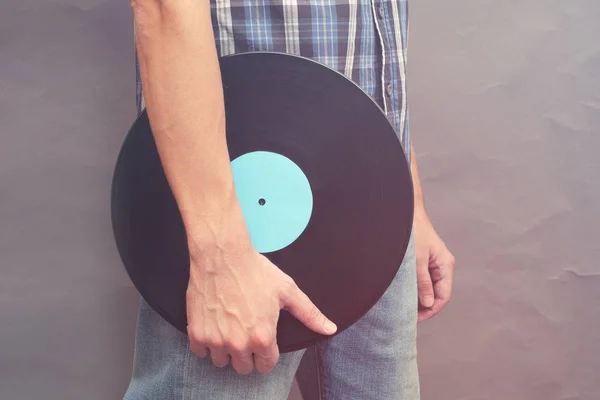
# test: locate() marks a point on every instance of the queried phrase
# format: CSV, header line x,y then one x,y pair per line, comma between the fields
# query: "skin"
x,y
435,263
234,294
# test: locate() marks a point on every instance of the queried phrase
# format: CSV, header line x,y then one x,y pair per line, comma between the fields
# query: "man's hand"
x,y
435,263
435,266
234,298
234,294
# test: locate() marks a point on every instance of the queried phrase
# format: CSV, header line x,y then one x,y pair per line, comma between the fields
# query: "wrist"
x,y
419,201
419,210
222,232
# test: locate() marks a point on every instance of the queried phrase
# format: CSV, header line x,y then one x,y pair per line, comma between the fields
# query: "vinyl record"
x,y
322,178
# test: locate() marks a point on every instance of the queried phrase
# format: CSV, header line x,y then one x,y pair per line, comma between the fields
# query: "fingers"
x,y
425,314
260,352
443,288
265,361
197,345
242,362
441,273
446,287
424,284
199,350
219,356
300,306
203,346
428,313
264,347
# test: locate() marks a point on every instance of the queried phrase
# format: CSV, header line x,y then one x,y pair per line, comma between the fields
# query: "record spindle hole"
x,y
261,201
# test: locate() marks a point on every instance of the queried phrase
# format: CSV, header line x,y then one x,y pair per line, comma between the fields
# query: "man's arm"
x,y
435,263
184,100
234,294
418,191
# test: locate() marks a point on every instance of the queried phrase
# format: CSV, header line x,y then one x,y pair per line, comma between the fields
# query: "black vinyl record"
x,y
359,225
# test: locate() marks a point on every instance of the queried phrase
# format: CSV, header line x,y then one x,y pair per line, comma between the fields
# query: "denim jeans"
x,y
374,359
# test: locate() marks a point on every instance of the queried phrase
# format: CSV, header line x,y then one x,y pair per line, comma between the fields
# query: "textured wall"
x,y
506,120
66,98
505,100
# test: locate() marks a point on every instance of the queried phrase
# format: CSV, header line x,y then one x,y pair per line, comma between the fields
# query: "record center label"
x,y
275,197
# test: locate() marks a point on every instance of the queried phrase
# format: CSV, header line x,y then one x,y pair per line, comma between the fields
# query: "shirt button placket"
x,y
379,9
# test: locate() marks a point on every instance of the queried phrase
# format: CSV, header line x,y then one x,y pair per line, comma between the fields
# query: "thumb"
x,y
424,285
300,306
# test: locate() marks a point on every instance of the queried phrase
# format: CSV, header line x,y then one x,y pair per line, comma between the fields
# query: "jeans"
x,y
374,359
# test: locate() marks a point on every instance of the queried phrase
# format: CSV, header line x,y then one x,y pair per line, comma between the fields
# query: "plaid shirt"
x,y
363,39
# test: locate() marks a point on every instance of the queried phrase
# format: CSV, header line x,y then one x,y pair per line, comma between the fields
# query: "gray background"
x,y
505,100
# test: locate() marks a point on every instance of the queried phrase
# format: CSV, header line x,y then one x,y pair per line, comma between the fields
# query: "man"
x,y
235,294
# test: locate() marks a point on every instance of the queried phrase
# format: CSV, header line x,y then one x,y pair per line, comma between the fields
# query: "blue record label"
x,y
275,197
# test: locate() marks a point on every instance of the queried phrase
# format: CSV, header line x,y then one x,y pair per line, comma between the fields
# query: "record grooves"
x,y
336,213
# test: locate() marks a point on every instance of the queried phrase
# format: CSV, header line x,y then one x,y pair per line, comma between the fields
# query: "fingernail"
x,y
330,327
427,301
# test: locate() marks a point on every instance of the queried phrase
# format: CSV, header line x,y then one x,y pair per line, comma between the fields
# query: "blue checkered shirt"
x,y
363,39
